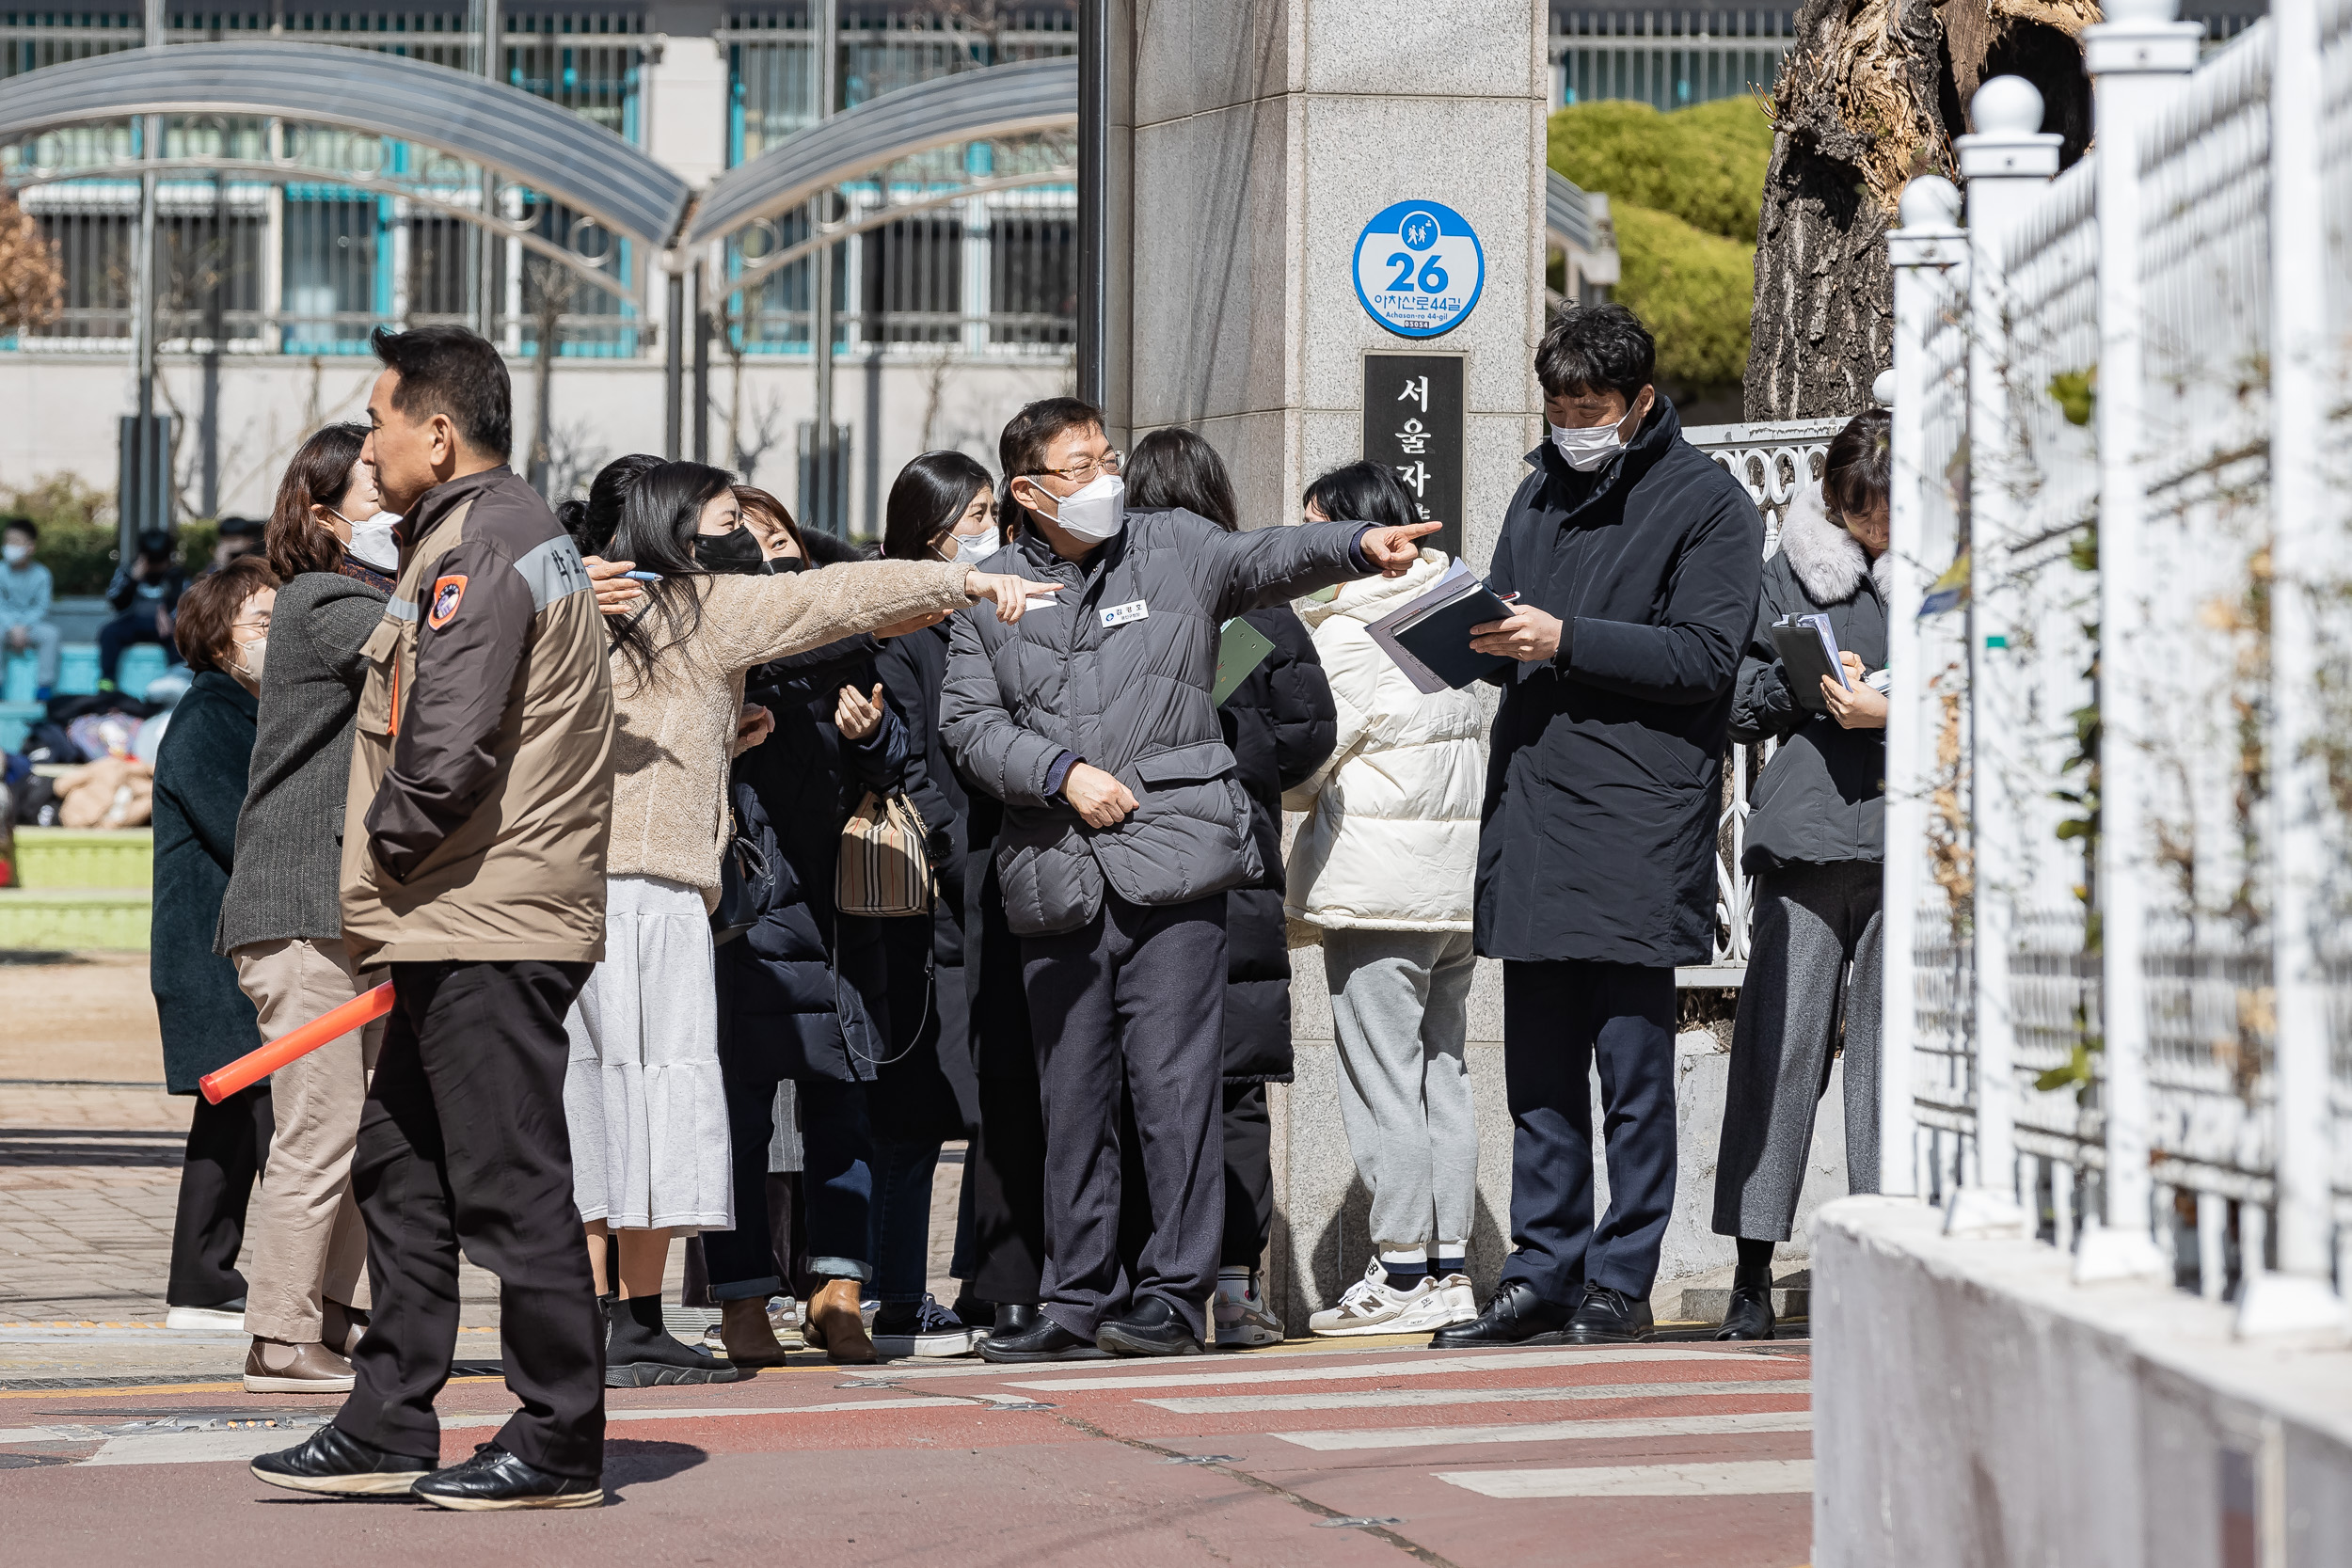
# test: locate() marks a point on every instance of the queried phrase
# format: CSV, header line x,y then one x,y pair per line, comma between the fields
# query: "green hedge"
x,y
1704,165
77,534
1693,289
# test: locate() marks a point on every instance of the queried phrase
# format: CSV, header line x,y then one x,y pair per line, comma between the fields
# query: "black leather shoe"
x,y
494,1479
1151,1327
1042,1340
1014,1317
334,1464
1609,1318
1516,1316
1750,1316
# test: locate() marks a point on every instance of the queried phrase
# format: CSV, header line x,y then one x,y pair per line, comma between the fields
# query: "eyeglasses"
x,y
1087,469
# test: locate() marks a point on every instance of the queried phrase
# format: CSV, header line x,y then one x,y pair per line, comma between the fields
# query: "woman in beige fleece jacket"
x,y
644,1095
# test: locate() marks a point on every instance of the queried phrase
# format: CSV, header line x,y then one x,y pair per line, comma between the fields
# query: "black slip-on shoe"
x,y
1044,1340
1516,1316
332,1463
640,1353
1609,1317
1014,1317
1151,1327
494,1479
1750,1316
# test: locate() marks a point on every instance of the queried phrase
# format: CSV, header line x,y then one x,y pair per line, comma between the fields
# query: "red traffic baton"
x,y
250,1068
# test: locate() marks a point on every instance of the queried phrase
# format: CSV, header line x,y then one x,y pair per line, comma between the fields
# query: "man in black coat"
x,y
1636,563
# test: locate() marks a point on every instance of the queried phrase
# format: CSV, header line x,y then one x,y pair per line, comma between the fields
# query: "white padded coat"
x,y
1391,840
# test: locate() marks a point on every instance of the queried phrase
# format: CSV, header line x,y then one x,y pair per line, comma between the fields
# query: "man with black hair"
x,y
1123,830
25,591
238,536
145,597
473,865
1637,562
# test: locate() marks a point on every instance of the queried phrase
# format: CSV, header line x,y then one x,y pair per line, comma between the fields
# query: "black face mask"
x,y
784,565
735,551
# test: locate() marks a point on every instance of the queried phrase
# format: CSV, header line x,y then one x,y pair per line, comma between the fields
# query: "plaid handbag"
x,y
883,870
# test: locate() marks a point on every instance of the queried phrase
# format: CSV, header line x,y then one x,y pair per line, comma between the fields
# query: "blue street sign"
x,y
1419,269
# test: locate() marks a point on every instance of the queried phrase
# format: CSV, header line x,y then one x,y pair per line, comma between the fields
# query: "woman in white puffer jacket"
x,y
1385,864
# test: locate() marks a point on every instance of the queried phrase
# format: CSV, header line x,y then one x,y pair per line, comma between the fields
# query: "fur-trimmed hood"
x,y
1828,561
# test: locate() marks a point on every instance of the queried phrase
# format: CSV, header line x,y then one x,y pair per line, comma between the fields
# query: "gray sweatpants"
x,y
1400,1003
1812,923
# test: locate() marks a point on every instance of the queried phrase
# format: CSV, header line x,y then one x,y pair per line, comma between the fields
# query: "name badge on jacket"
x,y
1120,614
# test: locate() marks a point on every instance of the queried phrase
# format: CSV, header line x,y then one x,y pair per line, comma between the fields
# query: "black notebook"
x,y
1429,638
1808,650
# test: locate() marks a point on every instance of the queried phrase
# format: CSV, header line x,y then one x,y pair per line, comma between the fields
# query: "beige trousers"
x,y
307,1240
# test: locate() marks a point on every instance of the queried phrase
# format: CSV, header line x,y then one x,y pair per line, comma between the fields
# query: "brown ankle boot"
x,y
744,1329
272,1367
835,1326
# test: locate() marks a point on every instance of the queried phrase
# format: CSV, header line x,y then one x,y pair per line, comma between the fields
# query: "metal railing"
x,y
1668,58
2119,787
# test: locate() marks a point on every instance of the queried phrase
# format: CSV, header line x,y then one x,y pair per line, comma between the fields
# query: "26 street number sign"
x,y
1419,269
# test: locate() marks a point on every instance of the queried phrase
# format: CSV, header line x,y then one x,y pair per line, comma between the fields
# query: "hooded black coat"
x,y
933,1093
803,991
1282,724
1605,779
1823,798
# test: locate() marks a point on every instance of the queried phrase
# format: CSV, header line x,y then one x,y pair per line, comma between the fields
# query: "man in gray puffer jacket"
x,y
1124,826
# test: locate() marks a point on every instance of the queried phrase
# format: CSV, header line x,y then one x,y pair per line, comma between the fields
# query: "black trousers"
x,y
227,1146
1248,1175
1559,1019
463,1144
136,624
1144,989
1005,1173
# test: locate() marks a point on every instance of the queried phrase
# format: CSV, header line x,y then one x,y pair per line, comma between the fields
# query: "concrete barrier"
x,y
1973,1407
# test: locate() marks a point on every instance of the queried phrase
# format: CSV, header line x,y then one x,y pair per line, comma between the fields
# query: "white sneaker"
x,y
1461,1302
1371,1307
1245,1321
207,1319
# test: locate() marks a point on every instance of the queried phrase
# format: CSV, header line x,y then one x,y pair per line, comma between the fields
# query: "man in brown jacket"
x,y
473,865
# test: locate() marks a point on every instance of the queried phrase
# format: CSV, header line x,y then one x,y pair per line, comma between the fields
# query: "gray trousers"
x,y
1141,990
1400,1006
1813,966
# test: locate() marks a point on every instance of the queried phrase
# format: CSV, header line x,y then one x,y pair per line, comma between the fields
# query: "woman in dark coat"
x,y
802,993
1280,724
1815,845
206,1020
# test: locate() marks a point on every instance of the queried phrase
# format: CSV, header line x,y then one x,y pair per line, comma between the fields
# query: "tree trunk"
x,y
1871,96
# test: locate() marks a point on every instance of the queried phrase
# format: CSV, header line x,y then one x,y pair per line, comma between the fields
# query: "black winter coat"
x,y
804,992
931,1091
1282,725
199,788
1823,798
1605,780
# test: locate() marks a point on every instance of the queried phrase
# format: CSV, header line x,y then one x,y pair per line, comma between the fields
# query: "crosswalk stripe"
x,y
1376,1399
1741,1479
1438,1366
1552,1432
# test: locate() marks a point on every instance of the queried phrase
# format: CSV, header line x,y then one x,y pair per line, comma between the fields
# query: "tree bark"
x,y
1872,95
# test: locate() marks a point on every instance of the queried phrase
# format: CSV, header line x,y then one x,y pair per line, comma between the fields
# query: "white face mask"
x,y
16,555
1588,448
973,549
372,543
249,658
1096,512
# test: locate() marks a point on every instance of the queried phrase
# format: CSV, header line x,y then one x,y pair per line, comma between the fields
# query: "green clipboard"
x,y
1240,648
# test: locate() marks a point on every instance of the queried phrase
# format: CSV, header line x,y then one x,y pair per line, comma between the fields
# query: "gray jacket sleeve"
x,y
1011,762
1274,565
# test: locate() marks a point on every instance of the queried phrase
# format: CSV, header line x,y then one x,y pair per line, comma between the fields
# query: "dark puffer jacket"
x,y
1131,699
1282,725
1605,779
1823,798
804,992
930,1092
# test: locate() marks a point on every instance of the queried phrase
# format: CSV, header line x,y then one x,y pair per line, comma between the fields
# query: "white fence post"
x,y
2305,558
1923,252
2006,161
2136,59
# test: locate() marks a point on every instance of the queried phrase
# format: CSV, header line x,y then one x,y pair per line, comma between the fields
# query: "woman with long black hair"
x,y
644,1095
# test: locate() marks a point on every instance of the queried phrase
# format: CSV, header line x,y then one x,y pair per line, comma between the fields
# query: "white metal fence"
x,y
2120,756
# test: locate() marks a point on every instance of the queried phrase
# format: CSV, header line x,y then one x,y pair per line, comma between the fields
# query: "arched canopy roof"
x,y
972,105
533,142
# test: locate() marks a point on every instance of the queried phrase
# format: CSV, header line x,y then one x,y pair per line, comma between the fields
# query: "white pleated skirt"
x,y
643,1092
